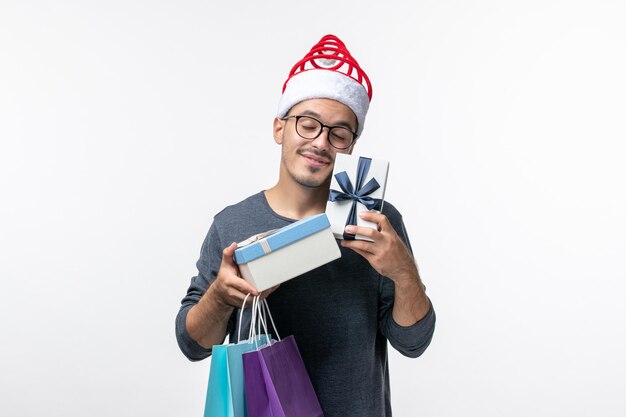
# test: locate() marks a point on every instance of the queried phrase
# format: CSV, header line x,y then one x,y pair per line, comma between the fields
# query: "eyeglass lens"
x,y
310,128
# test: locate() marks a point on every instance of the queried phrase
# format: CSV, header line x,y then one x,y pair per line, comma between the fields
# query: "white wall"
x,y
126,125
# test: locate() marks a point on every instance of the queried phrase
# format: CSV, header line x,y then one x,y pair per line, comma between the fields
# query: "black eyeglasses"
x,y
310,128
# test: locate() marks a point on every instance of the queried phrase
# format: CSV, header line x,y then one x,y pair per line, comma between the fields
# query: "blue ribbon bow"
x,y
358,194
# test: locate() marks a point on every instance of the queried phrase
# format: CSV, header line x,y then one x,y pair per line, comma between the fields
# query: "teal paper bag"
x,y
225,395
219,401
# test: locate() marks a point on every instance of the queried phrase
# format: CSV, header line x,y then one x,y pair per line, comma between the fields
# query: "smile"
x,y
315,160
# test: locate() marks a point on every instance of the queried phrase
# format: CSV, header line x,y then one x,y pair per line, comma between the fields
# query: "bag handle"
x,y
260,311
258,318
252,333
266,309
243,306
257,321
261,308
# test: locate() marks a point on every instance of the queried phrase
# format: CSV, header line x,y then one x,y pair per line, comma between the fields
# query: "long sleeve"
x,y
208,264
412,340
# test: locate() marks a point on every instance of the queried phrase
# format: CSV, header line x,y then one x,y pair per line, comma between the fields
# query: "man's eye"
x,y
341,135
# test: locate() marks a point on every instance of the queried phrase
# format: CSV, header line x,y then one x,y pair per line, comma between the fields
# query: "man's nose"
x,y
322,141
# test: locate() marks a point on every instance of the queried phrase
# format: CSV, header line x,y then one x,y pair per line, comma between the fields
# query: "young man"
x,y
342,314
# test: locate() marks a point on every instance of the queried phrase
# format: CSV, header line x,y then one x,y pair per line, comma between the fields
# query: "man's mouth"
x,y
315,160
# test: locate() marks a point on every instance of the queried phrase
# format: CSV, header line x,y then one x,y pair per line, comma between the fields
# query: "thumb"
x,y
228,255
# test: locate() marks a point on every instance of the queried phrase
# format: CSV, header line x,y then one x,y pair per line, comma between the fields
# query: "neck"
x,y
295,201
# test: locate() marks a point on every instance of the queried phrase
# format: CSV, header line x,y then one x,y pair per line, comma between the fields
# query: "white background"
x,y
126,125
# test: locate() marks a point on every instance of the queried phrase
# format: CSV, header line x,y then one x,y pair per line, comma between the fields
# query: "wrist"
x,y
407,279
215,305
409,287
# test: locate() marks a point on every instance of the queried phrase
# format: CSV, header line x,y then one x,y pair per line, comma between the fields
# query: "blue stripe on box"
x,y
283,237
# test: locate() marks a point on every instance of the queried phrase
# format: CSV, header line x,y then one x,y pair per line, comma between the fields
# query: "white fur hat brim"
x,y
321,83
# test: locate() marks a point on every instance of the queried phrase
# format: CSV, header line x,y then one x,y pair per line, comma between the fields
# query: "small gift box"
x,y
358,185
276,256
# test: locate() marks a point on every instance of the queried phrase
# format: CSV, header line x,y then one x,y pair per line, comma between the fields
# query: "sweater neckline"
x,y
266,204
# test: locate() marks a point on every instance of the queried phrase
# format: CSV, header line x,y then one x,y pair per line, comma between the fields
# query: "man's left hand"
x,y
387,254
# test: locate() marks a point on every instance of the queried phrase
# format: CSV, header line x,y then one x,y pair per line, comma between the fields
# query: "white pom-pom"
x,y
326,62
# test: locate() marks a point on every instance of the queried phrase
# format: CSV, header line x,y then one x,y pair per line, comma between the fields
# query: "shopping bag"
x,y
225,391
219,400
277,383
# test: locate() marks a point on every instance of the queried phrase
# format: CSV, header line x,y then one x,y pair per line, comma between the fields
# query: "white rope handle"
x,y
252,332
266,309
243,306
260,322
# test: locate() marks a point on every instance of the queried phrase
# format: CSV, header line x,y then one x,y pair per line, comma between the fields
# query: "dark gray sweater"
x,y
339,314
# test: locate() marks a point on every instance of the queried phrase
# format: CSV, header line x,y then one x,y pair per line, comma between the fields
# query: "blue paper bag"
x,y
225,392
219,400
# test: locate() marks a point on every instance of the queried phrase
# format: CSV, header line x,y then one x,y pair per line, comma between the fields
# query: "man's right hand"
x,y
206,321
228,289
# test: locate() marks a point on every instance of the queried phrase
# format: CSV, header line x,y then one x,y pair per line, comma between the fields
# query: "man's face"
x,y
310,162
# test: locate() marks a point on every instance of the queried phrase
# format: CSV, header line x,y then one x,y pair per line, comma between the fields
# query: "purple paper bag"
x,y
277,383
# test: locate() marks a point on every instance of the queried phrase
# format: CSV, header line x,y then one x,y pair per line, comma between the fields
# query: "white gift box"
x,y
276,256
356,181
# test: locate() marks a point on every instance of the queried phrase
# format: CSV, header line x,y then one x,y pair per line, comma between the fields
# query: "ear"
x,y
279,130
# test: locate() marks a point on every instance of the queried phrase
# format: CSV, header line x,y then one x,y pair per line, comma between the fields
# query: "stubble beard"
x,y
310,182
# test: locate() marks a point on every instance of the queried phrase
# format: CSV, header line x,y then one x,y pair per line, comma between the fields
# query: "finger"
x,y
362,231
228,261
228,254
359,245
243,286
249,301
380,219
372,216
236,297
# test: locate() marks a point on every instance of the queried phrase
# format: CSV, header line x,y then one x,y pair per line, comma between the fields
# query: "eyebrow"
x,y
340,123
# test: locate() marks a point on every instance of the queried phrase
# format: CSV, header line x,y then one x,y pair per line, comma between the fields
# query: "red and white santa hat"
x,y
328,71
